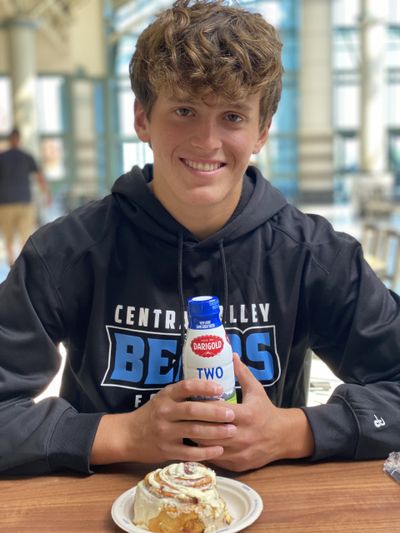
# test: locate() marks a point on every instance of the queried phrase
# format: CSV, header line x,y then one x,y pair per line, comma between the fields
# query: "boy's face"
x,y
201,150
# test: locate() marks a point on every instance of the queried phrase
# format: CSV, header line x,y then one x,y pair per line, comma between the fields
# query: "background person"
x,y
17,209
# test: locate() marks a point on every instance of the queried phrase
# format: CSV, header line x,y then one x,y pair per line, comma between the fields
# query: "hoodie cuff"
x,y
71,442
335,430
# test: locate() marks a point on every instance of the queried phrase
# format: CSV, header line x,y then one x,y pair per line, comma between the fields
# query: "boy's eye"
x,y
183,112
233,117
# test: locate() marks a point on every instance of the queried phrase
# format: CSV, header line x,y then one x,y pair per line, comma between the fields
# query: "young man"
x,y
111,280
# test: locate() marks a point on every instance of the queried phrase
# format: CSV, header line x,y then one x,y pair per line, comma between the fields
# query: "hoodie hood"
x,y
260,201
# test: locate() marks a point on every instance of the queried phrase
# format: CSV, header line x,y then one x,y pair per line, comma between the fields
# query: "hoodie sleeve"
x,y
355,324
36,438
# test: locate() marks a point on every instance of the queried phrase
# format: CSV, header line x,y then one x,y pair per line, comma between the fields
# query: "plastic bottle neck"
x,y
204,322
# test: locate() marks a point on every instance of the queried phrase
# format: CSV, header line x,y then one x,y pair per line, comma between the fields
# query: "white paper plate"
x,y
244,505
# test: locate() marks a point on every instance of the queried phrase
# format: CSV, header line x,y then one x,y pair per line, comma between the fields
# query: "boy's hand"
x,y
236,437
154,432
265,433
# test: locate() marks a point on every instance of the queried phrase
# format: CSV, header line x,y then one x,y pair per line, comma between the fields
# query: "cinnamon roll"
x,y
180,498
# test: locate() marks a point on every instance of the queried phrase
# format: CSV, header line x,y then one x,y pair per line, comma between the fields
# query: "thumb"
x,y
245,377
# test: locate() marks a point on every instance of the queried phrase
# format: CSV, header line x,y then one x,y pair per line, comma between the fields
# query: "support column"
x,y
22,66
85,185
373,40
316,168
374,184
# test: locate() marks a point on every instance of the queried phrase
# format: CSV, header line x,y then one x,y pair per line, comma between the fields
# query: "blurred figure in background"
x,y
17,209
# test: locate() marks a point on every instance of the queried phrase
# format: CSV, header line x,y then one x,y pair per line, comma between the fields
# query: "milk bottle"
x,y
207,353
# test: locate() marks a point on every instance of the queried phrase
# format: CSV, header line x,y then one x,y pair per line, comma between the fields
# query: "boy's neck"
x,y
201,221
203,225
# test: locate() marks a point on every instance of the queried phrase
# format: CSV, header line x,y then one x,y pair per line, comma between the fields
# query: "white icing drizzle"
x,y
184,480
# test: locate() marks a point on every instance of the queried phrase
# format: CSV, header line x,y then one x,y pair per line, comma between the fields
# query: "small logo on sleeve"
x,y
379,422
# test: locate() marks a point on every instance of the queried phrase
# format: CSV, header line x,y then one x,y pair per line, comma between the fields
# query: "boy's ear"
x,y
142,125
262,139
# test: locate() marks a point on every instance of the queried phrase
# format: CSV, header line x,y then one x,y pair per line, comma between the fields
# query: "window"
x,y
51,126
6,120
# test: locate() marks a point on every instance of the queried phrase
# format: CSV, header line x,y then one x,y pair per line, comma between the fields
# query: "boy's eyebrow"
x,y
239,105
242,106
181,100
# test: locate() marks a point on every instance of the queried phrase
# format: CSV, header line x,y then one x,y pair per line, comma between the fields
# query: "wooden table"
x,y
326,497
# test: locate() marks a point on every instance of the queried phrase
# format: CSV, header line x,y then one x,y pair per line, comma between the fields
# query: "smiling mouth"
x,y
203,167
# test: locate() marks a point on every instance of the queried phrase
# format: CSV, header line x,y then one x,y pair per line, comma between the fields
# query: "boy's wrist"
x,y
110,443
299,439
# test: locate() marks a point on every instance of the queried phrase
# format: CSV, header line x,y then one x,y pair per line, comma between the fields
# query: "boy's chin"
x,y
207,200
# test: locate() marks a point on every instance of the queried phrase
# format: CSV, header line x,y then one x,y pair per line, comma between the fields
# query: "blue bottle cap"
x,y
203,306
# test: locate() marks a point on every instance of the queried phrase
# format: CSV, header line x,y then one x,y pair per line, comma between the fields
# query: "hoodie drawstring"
x,y
225,272
180,284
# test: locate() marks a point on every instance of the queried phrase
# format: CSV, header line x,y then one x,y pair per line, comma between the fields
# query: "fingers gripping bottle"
x,y
207,352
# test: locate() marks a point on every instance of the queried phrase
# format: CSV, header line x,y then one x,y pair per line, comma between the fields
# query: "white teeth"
x,y
206,167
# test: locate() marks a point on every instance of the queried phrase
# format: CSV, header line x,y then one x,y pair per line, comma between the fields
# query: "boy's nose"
x,y
207,135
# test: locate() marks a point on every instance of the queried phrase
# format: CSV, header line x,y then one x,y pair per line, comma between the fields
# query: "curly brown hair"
x,y
206,47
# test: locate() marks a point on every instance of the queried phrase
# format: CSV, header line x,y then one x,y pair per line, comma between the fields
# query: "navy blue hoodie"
x,y
110,281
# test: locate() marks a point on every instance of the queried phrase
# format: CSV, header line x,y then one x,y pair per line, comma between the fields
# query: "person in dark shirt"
x,y
17,211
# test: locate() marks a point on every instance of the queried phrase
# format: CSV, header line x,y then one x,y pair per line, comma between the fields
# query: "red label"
x,y
207,345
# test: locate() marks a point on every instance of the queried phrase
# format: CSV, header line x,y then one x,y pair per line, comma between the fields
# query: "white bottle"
x,y
207,352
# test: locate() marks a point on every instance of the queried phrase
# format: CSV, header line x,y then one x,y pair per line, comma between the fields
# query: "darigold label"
x,y
207,345
209,356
